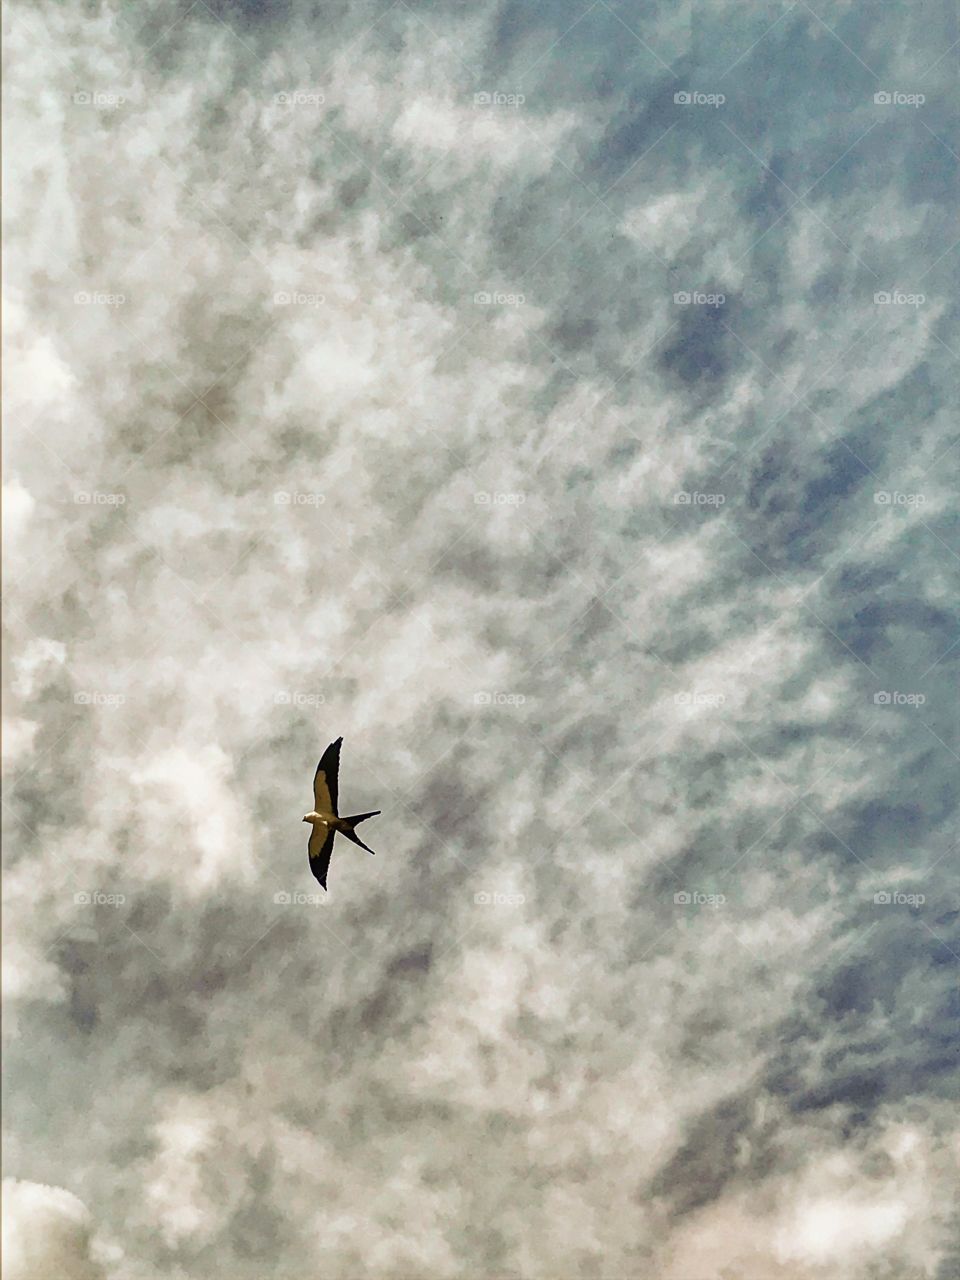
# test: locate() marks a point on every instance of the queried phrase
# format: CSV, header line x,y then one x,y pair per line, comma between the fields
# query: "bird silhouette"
x,y
324,820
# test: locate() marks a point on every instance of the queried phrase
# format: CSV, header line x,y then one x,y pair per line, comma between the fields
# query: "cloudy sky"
x,y
558,402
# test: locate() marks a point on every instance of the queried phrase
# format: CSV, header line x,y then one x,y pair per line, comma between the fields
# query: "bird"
x,y
324,820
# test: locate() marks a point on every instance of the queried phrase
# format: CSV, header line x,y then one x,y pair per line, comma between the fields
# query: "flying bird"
x,y
324,820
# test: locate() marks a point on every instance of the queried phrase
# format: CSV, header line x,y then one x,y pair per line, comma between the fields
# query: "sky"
x,y
559,403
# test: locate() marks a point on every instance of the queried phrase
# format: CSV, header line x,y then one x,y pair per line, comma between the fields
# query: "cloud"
x,y
46,1234
559,454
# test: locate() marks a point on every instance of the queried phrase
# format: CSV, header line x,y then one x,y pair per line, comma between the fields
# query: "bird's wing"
x,y
325,779
320,847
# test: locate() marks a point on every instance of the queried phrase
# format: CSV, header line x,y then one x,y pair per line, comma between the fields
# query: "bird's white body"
x,y
325,820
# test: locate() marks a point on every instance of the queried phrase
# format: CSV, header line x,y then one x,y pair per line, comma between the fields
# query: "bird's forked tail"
x,y
349,832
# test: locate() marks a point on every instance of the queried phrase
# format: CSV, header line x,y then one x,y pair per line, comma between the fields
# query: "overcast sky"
x,y
558,402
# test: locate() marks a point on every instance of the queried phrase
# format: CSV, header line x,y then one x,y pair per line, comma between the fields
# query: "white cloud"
x,y
598,1079
46,1234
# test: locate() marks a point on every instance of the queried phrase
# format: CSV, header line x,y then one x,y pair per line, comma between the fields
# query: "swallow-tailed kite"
x,y
324,820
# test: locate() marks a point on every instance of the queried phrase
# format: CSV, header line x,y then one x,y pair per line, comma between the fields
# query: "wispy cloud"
x,y
556,405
